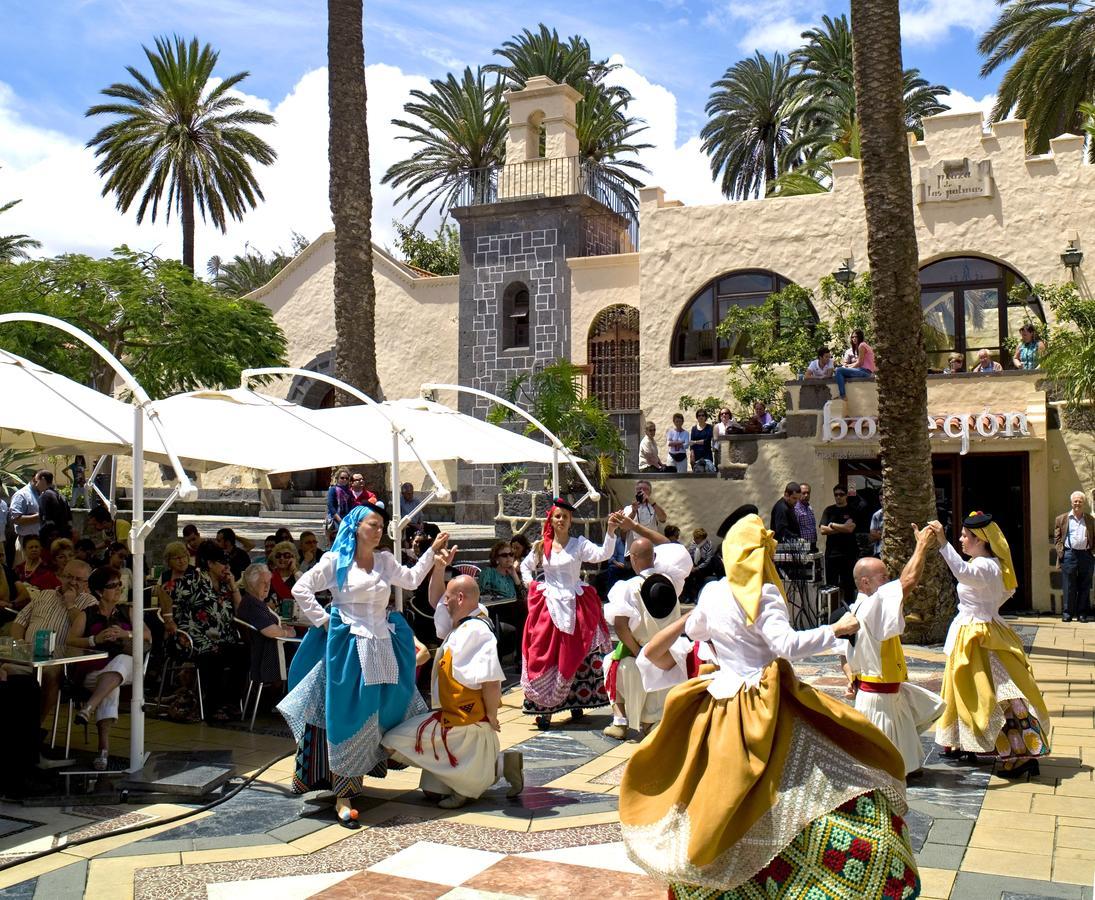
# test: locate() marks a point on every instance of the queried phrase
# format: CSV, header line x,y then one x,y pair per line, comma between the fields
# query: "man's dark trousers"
x,y
1076,567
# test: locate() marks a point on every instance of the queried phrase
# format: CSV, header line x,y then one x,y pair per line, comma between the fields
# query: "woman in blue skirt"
x,y
353,677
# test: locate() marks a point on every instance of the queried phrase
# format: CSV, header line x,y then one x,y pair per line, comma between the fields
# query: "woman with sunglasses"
x,y
283,563
104,626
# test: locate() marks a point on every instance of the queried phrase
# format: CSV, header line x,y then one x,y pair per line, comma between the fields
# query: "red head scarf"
x,y
549,529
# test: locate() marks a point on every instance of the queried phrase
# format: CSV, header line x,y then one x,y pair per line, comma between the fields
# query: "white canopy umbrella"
x,y
242,427
44,411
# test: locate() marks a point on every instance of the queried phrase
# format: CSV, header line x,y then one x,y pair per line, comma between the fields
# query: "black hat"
x,y
378,507
746,509
562,504
658,595
977,520
837,615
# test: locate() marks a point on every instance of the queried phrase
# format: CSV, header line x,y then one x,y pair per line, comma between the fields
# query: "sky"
x,y
56,56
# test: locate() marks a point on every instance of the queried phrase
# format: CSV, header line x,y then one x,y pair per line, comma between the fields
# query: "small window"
x,y
515,315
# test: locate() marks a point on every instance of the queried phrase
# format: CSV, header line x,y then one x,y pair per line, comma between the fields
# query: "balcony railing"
x,y
562,177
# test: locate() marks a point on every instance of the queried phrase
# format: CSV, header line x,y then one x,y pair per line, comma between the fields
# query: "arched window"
x,y
694,340
967,309
614,358
515,317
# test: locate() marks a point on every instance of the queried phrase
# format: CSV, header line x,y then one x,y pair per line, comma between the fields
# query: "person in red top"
x,y
359,491
283,564
860,366
34,570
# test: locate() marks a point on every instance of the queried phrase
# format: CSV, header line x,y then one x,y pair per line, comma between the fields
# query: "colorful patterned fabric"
x,y
204,611
587,689
859,851
312,772
1022,735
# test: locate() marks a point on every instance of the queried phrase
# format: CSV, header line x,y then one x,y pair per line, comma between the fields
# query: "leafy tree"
x,y
749,124
15,246
173,331
351,200
554,396
439,254
1049,48
252,269
1071,353
173,132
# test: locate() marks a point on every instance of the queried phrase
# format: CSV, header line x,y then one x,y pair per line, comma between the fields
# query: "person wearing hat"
x,y
994,706
755,784
353,677
879,675
638,608
566,636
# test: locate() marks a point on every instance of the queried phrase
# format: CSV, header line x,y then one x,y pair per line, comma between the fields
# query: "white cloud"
x,y
765,25
681,169
923,21
959,102
55,177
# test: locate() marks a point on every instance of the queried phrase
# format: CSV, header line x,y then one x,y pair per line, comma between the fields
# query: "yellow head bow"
x,y
748,553
994,537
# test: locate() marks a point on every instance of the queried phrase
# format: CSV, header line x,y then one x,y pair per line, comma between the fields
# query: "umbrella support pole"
x,y
396,519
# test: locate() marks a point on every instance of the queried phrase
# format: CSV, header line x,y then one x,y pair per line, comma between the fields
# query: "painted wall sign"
x,y
955,179
957,426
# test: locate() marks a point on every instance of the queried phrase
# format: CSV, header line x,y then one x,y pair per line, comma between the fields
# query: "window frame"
x,y
512,318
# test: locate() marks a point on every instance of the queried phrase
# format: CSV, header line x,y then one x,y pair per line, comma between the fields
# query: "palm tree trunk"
x,y
908,493
351,200
186,192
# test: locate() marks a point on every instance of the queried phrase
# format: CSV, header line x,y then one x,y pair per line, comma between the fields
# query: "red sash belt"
x,y
435,717
879,687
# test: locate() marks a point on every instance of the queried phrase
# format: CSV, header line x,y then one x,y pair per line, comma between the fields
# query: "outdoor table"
x,y
62,656
493,605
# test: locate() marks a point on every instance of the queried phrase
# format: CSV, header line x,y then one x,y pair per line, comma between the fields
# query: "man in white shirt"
x,y
644,511
1073,538
822,367
24,507
985,363
649,461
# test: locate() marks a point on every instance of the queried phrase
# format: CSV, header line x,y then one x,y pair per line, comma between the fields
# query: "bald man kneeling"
x,y
456,746
877,661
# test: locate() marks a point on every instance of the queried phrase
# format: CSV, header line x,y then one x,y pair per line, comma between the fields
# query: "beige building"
x,y
550,269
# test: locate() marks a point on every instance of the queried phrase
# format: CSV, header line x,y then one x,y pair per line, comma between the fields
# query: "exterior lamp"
x,y
845,275
1072,257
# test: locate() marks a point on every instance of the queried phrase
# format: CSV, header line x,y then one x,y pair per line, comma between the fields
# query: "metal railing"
x,y
561,177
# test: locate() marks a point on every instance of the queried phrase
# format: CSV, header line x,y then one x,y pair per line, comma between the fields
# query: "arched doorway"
x,y
613,353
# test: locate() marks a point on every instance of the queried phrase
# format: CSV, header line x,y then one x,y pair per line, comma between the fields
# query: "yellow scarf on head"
x,y
992,534
748,552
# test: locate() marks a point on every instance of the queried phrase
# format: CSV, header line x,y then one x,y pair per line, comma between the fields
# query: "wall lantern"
x,y
1072,257
845,275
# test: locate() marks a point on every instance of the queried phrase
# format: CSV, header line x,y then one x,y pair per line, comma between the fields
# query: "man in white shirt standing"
x,y
24,507
644,511
1073,535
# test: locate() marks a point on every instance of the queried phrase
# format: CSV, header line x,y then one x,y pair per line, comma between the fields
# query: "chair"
x,y
468,569
248,634
172,666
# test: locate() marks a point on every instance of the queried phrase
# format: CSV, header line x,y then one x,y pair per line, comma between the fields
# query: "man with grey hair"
x,y
1073,537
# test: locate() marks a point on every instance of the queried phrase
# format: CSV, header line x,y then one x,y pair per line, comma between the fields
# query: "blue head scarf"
x,y
345,545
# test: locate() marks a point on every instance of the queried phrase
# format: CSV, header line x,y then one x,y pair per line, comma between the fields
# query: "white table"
x,y
62,656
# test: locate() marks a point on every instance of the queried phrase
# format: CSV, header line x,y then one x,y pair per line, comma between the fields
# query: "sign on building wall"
x,y
955,179
956,426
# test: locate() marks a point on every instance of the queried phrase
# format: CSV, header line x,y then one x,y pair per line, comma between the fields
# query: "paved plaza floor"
x,y
977,836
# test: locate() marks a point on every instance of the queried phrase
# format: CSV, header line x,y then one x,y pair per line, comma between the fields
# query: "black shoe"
x,y
1066,617
576,715
952,753
543,722
1030,766
1085,619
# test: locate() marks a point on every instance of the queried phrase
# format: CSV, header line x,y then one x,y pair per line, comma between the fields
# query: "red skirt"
x,y
552,658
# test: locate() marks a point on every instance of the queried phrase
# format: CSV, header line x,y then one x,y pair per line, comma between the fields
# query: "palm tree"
x,y
15,246
749,124
1051,47
544,53
460,127
908,494
351,200
175,132
250,270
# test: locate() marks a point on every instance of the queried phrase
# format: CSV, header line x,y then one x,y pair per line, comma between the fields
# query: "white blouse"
x,y
363,603
473,650
981,591
743,651
563,575
881,617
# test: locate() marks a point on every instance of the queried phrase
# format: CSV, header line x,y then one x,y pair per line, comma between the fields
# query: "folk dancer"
x,y
353,677
754,783
565,636
994,706
879,675
456,746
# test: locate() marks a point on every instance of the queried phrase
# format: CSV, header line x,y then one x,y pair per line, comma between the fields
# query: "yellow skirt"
x,y
721,787
987,676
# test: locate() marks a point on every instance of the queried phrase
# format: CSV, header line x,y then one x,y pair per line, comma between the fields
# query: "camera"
x,y
639,496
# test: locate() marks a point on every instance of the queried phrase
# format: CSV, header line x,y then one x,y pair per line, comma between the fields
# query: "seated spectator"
x,y
105,626
985,363
700,548
282,534
238,558
85,550
649,461
283,570
501,576
198,625
35,570
192,537
956,364
521,548
407,503
309,550
676,442
762,421
117,557
60,552
254,610
700,440
177,561
727,424
99,529
822,367
52,610
268,543
672,534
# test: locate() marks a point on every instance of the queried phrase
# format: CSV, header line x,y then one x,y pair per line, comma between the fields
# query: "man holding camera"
x,y
644,511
